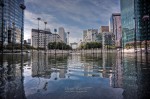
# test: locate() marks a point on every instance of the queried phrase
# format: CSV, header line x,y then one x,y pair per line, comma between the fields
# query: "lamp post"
x,y
2,28
23,7
145,19
55,30
68,37
13,37
38,32
135,47
45,37
32,44
68,40
62,46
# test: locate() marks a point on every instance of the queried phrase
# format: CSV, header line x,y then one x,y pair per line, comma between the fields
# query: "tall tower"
x,y
62,34
115,27
12,21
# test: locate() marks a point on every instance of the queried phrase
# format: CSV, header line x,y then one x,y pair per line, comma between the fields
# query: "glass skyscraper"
x,y
133,25
12,21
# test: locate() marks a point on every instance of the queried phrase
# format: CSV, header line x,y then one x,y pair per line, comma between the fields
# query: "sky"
x,y
74,15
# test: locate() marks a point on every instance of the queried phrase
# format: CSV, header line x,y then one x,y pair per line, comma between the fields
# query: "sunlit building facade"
x,y
104,29
115,27
12,23
62,34
45,37
90,35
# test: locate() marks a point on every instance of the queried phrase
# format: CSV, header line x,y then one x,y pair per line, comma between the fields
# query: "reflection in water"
x,y
11,78
74,76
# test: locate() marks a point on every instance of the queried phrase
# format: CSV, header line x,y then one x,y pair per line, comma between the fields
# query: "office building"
x,y
135,21
115,27
62,34
12,21
84,34
104,29
45,37
90,35
108,39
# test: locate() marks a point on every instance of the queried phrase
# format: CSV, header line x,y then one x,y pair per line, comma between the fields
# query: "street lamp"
x,y
38,32
55,30
68,40
135,35
32,44
145,19
2,28
45,37
23,7
62,46
13,37
68,37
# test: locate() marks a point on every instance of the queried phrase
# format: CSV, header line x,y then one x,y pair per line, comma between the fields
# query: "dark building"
x,y
135,21
143,8
13,17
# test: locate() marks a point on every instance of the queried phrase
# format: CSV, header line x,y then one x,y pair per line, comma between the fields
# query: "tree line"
x,y
90,45
59,45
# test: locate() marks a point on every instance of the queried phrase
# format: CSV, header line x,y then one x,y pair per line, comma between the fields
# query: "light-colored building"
x,y
104,29
115,27
62,34
45,37
90,35
84,34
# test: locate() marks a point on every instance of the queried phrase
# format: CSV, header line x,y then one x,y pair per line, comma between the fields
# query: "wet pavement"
x,y
75,76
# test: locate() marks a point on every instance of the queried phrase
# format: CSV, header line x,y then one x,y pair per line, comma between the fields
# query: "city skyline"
x,y
74,16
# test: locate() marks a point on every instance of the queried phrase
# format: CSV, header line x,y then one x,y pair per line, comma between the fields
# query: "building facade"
x,y
115,27
12,21
62,34
90,35
45,37
108,39
104,29
134,26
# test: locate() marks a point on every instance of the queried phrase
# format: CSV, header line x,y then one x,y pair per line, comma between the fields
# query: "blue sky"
x,y
74,15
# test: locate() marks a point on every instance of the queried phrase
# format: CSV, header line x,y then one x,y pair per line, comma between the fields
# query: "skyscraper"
x,y
12,21
115,27
62,34
135,27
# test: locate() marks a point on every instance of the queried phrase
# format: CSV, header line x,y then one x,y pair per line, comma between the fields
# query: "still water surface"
x,y
74,76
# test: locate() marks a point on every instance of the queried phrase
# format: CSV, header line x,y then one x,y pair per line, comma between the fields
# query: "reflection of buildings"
x,y
40,66
46,65
136,78
11,78
116,79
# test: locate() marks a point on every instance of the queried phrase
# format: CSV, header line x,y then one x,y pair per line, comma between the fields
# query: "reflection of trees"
x,y
11,77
